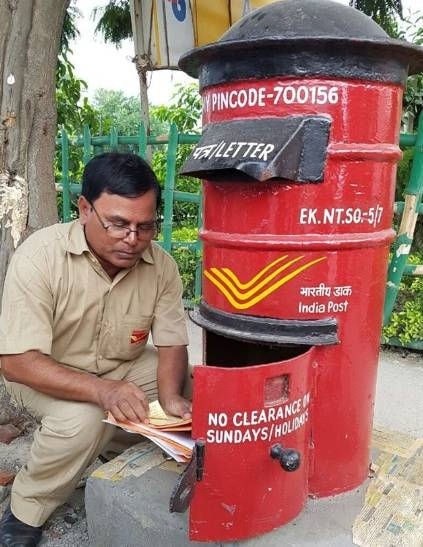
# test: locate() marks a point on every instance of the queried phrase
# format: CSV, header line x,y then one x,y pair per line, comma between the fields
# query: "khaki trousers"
x,y
70,437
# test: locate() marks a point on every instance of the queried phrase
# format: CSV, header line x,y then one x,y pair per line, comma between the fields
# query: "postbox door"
x,y
246,415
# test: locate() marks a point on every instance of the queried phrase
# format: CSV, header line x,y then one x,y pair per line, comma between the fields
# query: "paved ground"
x,y
399,394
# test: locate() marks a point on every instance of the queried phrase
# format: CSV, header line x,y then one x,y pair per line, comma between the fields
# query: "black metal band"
x,y
266,330
325,57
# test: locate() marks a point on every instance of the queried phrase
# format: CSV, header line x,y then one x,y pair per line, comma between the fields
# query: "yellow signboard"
x,y
166,29
212,19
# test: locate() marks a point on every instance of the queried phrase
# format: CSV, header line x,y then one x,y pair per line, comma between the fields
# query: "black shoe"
x,y
15,533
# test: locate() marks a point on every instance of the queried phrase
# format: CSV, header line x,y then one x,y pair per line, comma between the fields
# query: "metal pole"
x,y
86,144
169,187
142,62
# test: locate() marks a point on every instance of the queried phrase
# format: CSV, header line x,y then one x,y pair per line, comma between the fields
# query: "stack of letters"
x,y
170,433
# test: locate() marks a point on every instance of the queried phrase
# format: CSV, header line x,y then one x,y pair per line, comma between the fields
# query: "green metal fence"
x,y
410,208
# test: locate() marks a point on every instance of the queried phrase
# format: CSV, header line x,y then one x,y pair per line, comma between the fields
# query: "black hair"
x,y
118,173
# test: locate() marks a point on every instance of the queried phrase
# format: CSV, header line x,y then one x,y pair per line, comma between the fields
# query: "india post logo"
x,y
268,280
138,336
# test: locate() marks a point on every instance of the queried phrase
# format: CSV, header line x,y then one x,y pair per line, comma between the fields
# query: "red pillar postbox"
x,y
302,106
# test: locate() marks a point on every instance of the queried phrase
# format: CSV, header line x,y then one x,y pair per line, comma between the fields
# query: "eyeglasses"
x,y
144,230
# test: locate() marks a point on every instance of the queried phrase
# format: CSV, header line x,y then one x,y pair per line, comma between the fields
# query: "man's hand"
x,y
124,400
173,362
177,406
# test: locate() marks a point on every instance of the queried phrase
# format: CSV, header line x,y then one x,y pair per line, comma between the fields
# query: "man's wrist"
x,y
95,389
166,398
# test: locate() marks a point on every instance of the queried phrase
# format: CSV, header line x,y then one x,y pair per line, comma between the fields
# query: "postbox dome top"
x,y
305,18
302,38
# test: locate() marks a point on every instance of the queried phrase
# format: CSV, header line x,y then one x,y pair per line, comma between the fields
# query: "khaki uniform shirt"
x,y
58,300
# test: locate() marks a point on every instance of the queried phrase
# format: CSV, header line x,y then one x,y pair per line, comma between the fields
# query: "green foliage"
x,y
381,11
115,109
403,173
413,96
187,259
73,111
406,323
386,13
184,109
115,21
69,30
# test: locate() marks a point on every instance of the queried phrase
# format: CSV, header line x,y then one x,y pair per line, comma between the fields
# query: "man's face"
x,y
116,254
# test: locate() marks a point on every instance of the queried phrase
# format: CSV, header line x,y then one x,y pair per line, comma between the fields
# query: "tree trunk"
x,y
142,63
142,76
30,33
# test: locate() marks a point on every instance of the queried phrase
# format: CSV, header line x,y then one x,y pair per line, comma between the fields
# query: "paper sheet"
x,y
178,445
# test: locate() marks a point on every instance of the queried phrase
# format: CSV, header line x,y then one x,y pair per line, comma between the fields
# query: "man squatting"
x,y
80,300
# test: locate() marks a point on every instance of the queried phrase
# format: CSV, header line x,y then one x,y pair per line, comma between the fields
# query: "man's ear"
x,y
84,209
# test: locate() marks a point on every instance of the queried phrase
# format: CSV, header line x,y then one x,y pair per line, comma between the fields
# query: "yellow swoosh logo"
x,y
227,282
247,285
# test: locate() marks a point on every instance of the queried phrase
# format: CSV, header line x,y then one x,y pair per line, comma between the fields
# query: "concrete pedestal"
x,y
127,501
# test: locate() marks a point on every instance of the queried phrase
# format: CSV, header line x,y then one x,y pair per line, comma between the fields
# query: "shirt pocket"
x,y
126,340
